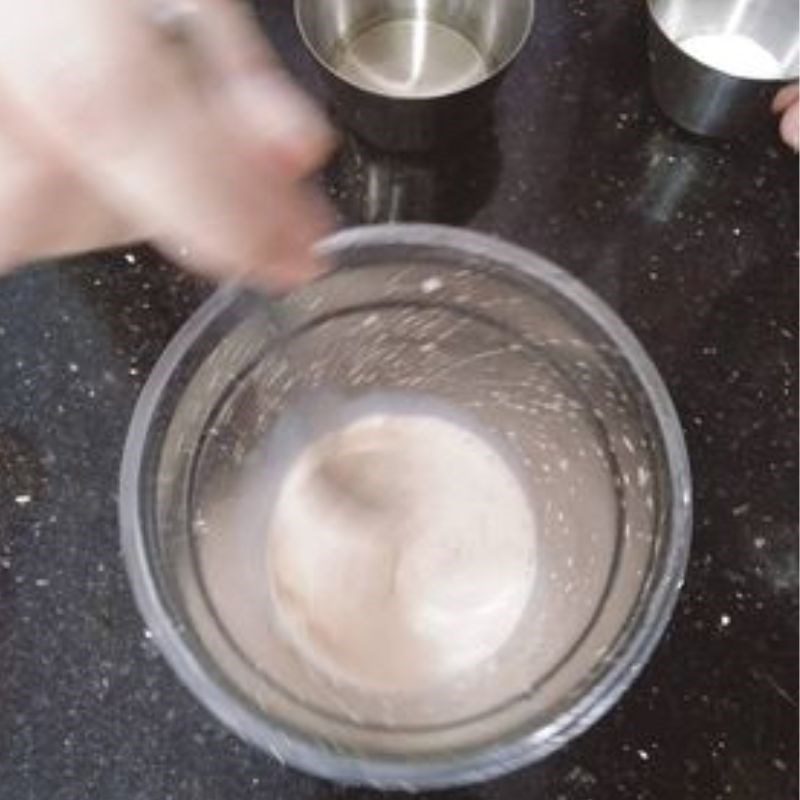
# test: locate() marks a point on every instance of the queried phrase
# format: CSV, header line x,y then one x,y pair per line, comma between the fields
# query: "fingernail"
x,y
785,98
790,128
286,275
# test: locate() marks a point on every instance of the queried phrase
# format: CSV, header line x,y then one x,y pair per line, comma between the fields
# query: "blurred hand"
x,y
787,104
188,133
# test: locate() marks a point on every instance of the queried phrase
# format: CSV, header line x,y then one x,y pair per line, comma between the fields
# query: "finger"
x,y
790,126
785,97
54,215
45,210
291,261
118,100
255,86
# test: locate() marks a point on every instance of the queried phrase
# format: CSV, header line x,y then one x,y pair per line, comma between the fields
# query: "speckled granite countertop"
x,y
694,243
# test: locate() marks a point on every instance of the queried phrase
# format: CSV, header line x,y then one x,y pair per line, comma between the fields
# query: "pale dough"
x,y
400,552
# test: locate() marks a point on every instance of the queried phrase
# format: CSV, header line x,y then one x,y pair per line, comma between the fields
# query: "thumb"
x,y
259,93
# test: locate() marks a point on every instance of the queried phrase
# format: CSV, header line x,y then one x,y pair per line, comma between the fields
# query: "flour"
x,y
400,551
733,54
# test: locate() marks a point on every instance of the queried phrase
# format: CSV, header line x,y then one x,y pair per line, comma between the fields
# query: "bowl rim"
x,y
471,766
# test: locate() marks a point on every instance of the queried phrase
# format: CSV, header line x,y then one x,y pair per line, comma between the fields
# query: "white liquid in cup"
x,y
733,54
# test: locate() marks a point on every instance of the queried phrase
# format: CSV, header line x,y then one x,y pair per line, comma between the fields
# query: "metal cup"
x,y
409,74
717,64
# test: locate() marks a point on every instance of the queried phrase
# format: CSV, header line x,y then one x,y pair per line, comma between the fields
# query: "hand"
x,y
115,128
787,104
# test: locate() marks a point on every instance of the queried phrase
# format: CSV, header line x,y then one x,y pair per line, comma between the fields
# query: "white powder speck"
x,y
130,258
724,620
22,499
430,285
643,754
628,444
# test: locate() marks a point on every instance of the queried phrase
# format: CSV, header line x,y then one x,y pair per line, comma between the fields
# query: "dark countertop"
x,y
693,242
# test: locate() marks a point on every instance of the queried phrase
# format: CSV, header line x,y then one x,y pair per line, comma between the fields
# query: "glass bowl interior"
x,y
479,331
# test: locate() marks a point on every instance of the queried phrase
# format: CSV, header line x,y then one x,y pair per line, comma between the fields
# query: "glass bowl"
x,y
463,322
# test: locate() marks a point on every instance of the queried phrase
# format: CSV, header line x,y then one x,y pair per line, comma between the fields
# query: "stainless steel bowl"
x,y
716,65
497,334
408,74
